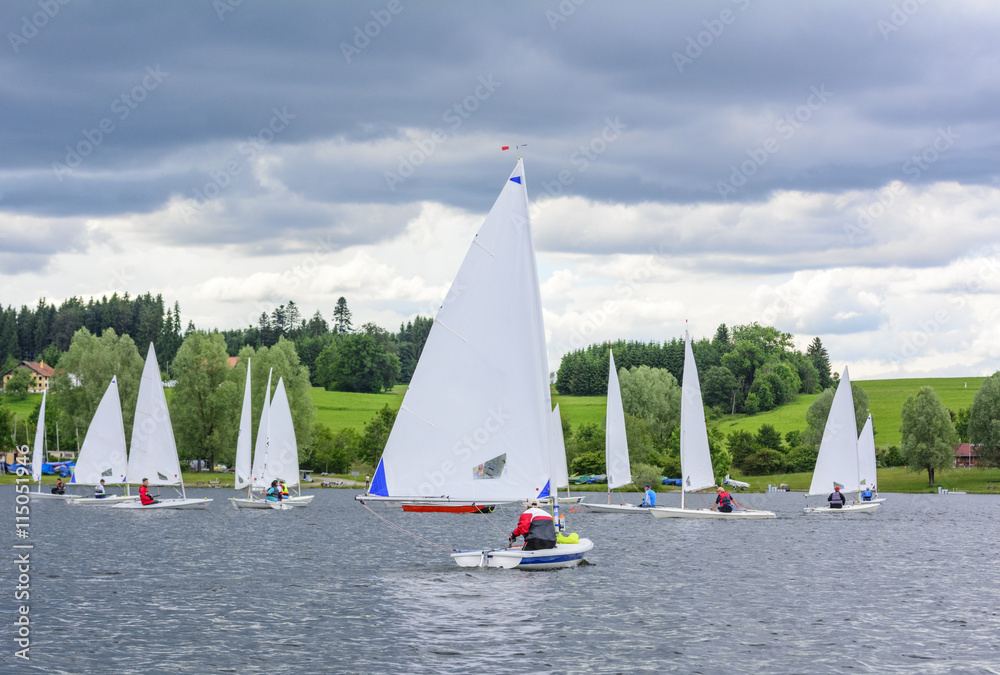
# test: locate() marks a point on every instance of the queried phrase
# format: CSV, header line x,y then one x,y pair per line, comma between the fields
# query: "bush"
x,y
763,462
671,467
646,473
588,463
889,457
801,458
752,405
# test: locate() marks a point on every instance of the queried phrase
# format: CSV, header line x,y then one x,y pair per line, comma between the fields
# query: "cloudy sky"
x,y
830,168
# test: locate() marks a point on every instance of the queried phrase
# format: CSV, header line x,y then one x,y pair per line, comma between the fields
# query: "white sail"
x,y
261,448
153,454
283,451
557,446
474,424
866,456
615,443
696,459
38,451
838,452
103,455
241,471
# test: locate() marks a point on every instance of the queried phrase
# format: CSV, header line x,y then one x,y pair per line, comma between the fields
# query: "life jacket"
x,y
274,494
725,499
144,495
838,497
284,489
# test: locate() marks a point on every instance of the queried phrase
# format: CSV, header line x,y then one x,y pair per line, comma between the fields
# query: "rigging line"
x,y
404,530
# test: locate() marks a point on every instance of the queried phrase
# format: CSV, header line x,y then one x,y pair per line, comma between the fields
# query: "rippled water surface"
x,y
914,587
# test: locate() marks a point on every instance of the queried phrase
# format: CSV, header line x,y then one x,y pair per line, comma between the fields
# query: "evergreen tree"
x,y
341,317
821,360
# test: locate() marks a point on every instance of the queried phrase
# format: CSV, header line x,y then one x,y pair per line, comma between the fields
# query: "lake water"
x,y
330,588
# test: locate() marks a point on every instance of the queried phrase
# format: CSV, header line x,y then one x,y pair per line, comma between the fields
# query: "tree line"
x,y
748,369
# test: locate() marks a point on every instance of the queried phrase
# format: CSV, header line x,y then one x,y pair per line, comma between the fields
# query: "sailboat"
x,y
474,427
154,453
866,458
103,455
557,448
38,457
838,463
696,458
283,452
616,461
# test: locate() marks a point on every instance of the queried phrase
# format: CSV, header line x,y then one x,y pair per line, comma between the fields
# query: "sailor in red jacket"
x,y
144,495
537,527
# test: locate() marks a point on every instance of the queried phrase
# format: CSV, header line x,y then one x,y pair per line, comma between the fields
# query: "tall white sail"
x,y
103,455
38,450
474,424
615,443
557,446
283,451
261,448
696,459
838,452
153,454
866,456
241,471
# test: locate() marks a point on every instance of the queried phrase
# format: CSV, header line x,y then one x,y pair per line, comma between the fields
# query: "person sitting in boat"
x,y
723,501
650,497
284,489
836,498
867,495
99,492
60,488
144,497
274,492
537,527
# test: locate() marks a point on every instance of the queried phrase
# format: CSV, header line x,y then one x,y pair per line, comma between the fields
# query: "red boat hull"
x,y
445,508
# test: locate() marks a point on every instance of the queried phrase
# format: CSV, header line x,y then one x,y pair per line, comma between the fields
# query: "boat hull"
x,y
299,502
563,500
563,555
674,512
49,495
261,504
413,507
864,507
165,504
618,508
110,500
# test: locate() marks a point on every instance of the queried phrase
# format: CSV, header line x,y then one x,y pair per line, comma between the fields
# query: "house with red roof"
x,y
40,374
966,455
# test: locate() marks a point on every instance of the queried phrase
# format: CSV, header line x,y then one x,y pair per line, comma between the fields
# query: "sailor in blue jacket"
x,y
650,498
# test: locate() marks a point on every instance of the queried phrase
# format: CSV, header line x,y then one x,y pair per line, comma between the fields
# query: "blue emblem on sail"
x,y
516,179
545,491
378,486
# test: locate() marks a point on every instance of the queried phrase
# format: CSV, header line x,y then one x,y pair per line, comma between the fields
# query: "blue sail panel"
x,y
378,486
545,491
516,179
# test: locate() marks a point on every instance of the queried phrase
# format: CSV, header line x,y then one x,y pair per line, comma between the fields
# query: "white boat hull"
x,y
106,501
863,507
49,495
283,505
165,504
618,508
563,500
674,512
563,555
300,501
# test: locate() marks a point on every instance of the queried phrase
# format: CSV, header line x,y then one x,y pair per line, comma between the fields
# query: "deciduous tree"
x,y
928,434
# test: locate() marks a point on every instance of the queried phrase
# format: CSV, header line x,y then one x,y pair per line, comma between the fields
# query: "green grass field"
x,y
582,409
895,480
337,409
